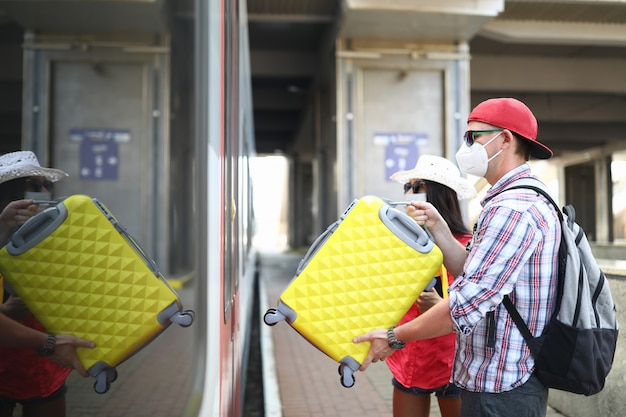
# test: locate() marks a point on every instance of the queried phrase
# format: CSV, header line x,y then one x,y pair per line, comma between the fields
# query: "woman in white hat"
x,y
27,377
424,367
21,177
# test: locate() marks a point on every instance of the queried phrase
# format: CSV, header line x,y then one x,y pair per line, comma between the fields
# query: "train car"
x,y
176,85
225,254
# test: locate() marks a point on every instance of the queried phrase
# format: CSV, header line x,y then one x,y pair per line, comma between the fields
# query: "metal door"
x,y
96,114
98,136
580,191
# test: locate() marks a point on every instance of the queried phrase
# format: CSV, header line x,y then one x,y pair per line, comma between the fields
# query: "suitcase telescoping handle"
x,y
400,223
128,237
138,248
322,238
318,243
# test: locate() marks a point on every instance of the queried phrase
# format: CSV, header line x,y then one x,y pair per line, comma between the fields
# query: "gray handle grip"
x,y
36,229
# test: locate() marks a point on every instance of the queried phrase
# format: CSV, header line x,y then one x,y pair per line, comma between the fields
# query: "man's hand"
x,y
379,347
65,352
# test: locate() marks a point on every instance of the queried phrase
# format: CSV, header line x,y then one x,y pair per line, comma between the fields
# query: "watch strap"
x,y
393,341
48,348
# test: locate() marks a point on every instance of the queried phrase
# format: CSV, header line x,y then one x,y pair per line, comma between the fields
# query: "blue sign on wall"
x,y
99,159
400,158
401,150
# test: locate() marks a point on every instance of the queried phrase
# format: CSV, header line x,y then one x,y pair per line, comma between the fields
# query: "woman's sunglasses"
x,y
469,139
35,184
415,186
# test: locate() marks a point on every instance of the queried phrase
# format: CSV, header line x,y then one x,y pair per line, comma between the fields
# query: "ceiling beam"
x,y
559,33
550,74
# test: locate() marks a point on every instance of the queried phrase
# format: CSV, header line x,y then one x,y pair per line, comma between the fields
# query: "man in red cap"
x,y
513,252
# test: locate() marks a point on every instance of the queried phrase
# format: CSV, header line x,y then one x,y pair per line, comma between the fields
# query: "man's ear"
x,y
508,138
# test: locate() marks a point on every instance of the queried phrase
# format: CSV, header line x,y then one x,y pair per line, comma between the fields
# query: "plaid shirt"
x,y
514,251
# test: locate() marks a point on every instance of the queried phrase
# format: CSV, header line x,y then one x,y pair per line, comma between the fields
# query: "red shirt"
x,y
425,364
25,375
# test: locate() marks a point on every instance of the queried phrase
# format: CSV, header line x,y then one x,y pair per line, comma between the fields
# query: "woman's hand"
x,y
15,308
427,299
425,214
15,214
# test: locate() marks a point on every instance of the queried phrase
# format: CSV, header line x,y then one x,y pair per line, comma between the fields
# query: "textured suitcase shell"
x,y
80,273
363,273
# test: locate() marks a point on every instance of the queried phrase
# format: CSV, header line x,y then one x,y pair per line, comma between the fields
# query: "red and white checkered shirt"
x,y
514,251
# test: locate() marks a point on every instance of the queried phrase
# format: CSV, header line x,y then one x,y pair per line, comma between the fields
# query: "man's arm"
x,y
14,334
433,323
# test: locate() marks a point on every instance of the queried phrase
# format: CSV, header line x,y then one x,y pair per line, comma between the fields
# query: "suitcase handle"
x,y
36,229
406,229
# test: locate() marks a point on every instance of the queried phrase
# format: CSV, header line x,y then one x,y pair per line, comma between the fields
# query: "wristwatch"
x,y
48,348
393,341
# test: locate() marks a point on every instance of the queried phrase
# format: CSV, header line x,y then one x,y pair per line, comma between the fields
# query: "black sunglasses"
x,y
415,186
469,139
37,185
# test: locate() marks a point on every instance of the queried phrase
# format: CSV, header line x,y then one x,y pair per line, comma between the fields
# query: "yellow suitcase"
x,y
362,273
80,272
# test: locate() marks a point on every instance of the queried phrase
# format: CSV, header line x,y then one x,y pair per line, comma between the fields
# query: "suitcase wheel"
x,y
104,380
346,376
184,318
273,316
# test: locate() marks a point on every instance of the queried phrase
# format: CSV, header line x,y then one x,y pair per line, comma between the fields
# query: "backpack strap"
x,y
535,185
519,321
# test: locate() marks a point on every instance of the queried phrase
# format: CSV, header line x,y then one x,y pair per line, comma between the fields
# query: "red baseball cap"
x,y
511,114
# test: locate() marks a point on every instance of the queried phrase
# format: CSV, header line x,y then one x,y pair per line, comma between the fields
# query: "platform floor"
x,y
305,382
298,380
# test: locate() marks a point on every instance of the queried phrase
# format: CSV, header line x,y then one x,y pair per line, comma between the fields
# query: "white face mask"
x,y
473,160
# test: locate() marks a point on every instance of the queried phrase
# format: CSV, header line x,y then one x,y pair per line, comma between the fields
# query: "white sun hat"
x,y
22,164
440,170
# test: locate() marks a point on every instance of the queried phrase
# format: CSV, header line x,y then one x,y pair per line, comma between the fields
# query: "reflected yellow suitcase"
x,y
80,272
362,273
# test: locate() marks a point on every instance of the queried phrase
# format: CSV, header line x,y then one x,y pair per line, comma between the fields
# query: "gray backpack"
x,y
576,350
